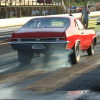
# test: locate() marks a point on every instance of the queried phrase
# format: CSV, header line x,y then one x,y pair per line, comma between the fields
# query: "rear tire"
x,y
24,57
75,54
90,50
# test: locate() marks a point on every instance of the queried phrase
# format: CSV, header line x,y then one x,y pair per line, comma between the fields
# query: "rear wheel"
x,y
90,50
75,54
24,57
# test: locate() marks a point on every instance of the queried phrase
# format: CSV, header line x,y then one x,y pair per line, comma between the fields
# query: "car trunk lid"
x,y
40,32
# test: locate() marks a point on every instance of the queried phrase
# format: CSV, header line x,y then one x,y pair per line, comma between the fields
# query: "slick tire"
x,y
75,54
90,50
24,57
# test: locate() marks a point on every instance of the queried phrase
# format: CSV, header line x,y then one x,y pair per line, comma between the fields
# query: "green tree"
x,y
78,2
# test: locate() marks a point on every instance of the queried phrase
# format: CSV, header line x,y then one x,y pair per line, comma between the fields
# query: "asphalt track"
x,y
55,79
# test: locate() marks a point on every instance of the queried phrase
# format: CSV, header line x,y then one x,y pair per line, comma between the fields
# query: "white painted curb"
x,y
21,21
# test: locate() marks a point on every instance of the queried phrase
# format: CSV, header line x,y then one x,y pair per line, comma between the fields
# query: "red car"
x,y
50,35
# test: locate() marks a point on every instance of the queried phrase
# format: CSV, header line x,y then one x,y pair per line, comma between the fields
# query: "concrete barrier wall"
x,y
8,22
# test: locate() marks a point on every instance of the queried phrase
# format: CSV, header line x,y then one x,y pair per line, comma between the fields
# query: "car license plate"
x,y
37,46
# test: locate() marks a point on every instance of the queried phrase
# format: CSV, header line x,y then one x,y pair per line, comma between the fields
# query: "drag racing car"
x,y
49,35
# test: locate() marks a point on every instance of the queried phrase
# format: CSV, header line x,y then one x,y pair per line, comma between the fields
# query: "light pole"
x,y
85,2
69,7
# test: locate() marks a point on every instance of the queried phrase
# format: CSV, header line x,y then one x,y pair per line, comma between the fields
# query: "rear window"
x,y
48,22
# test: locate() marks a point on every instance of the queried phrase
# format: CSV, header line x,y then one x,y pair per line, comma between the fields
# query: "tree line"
x,y
78,2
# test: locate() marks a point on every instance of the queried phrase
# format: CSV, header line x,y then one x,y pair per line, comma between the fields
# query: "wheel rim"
x,y
92,47
77,51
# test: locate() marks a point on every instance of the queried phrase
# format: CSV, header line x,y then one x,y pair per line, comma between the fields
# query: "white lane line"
x,y
6,69
4,43
9,59
9,29
5,36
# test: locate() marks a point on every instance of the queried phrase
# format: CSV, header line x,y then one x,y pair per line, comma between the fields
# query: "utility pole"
x,y
69,7
85,2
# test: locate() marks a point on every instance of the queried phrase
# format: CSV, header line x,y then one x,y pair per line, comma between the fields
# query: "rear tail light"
x,y
61,38
11,40
14,39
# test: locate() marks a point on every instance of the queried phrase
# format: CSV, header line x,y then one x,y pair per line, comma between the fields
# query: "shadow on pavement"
x,y
87,81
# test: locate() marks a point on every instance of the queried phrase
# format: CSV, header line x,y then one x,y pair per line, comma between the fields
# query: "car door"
x,y
85,38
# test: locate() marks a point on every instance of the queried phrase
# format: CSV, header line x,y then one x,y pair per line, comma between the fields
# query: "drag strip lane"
x,y
76,77
62,73
5,48
58,62
53,75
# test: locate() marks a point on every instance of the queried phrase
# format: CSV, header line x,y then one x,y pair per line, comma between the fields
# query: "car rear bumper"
x,y
58,45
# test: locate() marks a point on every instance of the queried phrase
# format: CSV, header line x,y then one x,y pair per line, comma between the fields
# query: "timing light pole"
x,y
85,2
69,7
